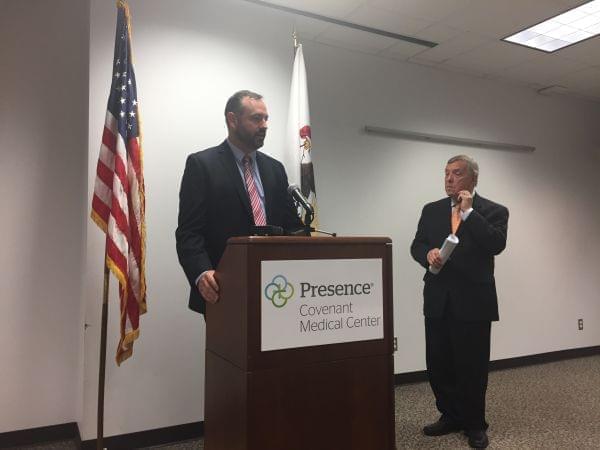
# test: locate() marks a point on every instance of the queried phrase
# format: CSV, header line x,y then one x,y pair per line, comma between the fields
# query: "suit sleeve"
x,y
489,230
420,245
192,219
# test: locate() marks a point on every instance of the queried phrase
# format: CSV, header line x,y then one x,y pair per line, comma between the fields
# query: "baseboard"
x,y
195,430
32,436
410,377
542,358
510,363
177,433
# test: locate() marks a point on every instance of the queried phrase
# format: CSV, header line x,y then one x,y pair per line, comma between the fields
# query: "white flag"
x,y
297,158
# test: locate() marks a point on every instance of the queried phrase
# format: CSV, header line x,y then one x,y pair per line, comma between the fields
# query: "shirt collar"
x,y
239,154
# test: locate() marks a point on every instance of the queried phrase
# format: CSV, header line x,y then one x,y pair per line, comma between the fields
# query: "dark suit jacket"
x,y
467,278
214,206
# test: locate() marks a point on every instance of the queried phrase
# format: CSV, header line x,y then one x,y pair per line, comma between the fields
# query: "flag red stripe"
x,y
133,151
105,174
120,219
134,238
115,254
133,310
100,208
109,139
121,172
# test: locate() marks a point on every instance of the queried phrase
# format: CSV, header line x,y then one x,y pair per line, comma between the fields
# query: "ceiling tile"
x,y
388,21
594,93
503,17
453,47
309,28
328,8
402,50
438,33
492,57
543,69
462,70
352,39
572,3
468,33
584,80
426,9
587,52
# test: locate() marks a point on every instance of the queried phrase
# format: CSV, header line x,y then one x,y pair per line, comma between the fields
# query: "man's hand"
x,y
434,259
465,199
208,287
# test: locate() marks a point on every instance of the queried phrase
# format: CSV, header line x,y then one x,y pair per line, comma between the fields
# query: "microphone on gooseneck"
x,y
296,193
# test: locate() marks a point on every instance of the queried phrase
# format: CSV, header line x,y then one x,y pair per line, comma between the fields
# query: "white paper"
x,y
447,248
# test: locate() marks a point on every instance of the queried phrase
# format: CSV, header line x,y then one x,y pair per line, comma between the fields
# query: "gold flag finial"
x,y
121,4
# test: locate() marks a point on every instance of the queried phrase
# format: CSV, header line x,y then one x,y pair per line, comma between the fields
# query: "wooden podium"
x,y
323,397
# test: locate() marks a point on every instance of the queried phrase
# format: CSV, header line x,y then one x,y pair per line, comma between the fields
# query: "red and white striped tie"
x,y
257,209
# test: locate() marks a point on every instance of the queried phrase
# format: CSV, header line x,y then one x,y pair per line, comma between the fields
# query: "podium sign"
x,y
299,347
320,301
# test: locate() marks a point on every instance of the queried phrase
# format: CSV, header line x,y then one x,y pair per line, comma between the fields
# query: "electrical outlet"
x,y
580,324
395,344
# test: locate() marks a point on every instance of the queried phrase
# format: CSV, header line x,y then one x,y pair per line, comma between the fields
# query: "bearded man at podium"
x,y
226,191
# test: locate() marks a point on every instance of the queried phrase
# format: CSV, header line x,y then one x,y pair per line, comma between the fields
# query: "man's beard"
x,y
254,141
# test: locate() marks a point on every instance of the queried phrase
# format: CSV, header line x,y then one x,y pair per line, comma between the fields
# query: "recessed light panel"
x,y
563,30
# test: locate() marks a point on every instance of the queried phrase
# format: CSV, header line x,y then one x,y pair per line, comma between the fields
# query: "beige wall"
x,y
190,56
43,182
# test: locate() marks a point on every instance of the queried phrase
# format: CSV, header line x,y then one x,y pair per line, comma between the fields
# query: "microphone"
x,y
295,192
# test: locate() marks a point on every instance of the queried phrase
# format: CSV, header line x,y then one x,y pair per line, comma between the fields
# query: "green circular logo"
x,y
279,291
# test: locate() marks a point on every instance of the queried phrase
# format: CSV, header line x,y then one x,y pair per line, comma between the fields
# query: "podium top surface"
x,y
304,240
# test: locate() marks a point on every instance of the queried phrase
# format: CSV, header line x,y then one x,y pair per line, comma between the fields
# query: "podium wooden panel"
x,y
326,397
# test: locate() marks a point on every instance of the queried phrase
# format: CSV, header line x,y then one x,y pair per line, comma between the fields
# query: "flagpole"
x,y
102,369
103,332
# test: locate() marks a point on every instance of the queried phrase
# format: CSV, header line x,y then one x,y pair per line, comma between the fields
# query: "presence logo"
x,y
279,291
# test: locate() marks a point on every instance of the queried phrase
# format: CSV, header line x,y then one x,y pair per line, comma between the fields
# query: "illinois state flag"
x,y
297,158
118,204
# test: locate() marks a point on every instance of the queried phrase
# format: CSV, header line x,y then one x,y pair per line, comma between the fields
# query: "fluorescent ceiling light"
x,y
568,28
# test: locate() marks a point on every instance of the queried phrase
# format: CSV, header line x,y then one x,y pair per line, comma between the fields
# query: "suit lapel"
x,y
231,168
476,201
447,207
268,182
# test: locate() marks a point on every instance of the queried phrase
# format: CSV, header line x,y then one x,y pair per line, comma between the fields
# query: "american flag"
x,y
118,204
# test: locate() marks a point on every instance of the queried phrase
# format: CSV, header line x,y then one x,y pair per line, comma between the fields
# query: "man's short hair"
x,y
472,165
234,104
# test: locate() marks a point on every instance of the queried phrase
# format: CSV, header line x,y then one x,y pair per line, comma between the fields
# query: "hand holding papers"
x,y
447,248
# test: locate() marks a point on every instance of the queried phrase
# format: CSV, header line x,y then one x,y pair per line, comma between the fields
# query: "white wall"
x,y
546,277
43,135
190,56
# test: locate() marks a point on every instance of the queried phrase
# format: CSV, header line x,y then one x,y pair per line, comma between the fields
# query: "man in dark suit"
x,y
460,302
225,191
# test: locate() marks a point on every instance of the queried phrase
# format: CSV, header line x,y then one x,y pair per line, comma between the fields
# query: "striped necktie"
x,y
257,210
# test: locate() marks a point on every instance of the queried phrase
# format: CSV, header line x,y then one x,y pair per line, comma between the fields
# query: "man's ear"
x,y
231,120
